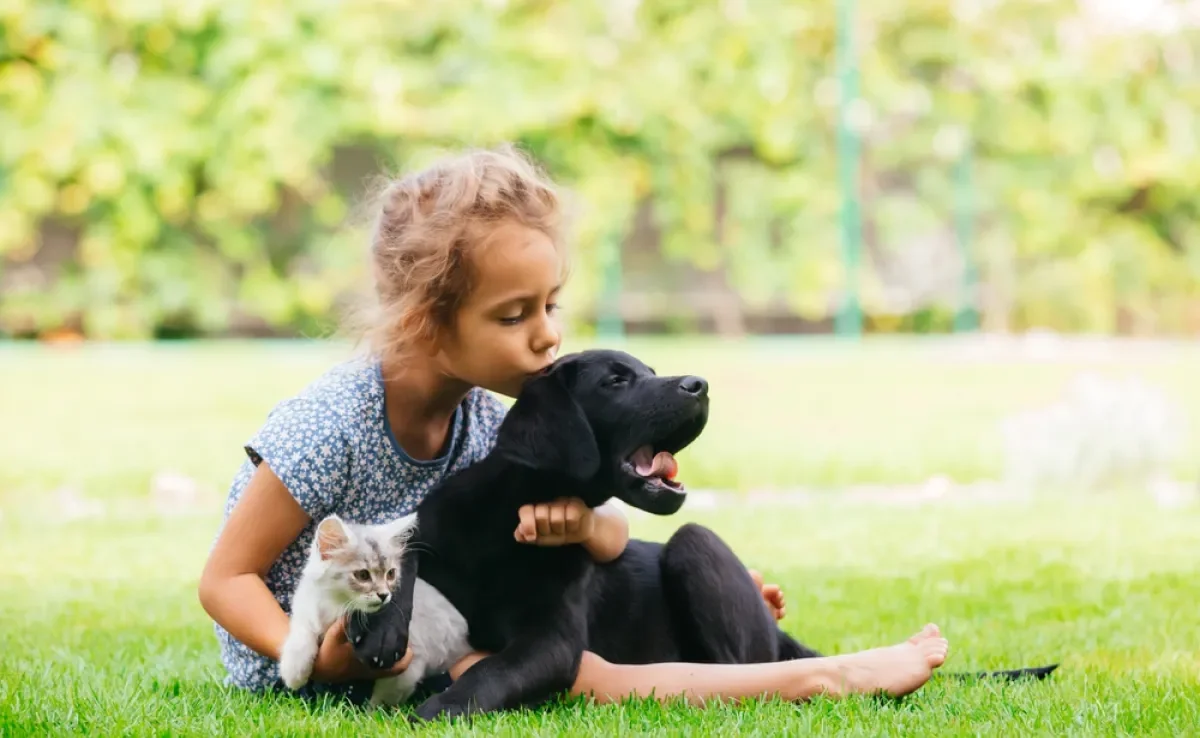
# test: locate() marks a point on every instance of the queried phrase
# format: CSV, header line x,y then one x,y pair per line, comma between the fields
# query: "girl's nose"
x,y
546,338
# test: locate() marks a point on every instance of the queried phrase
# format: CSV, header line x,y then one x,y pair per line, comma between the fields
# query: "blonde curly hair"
x,y
428,225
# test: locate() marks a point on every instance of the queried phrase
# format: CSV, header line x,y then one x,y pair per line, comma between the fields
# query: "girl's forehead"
x,y
527,260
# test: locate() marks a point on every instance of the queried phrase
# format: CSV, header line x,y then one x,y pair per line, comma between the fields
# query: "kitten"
x,y
354,568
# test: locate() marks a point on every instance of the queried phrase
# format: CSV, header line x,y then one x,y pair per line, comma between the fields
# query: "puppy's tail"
x,y
1008,675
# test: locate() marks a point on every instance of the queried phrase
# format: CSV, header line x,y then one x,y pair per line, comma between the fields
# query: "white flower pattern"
x,y
332,447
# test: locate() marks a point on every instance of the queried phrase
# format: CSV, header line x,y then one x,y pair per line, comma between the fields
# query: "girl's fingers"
x,y
400,665
574,516
527,526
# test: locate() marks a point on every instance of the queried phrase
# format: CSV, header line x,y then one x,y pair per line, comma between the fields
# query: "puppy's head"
x,y
605,423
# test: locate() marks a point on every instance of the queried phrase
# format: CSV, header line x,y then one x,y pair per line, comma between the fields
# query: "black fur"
x,y
538,608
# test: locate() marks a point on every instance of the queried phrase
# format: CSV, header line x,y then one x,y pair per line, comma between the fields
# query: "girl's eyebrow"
x,y
519,298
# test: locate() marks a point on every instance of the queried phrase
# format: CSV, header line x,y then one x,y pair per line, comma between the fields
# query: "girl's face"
x,y
507,329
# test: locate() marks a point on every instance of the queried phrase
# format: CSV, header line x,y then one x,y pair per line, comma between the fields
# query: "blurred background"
x,y
947,240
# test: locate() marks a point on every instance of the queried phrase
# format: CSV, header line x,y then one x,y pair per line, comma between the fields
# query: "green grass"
x,y
101,633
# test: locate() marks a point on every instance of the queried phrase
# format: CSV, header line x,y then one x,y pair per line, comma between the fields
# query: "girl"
x,y
468,260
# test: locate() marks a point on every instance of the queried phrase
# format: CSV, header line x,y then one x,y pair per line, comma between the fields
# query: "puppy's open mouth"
x,y
657,469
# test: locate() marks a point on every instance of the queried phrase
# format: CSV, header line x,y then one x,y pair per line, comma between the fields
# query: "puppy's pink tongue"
x,y
662,465
665,466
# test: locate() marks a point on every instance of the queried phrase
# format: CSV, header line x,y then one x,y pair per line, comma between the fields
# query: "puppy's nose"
x,y
694,385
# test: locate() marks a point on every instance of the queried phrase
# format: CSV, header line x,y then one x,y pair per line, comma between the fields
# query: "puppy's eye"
x,y
391,574
616,380
362,575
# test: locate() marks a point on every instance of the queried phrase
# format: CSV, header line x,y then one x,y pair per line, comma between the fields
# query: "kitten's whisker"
x,y
419,547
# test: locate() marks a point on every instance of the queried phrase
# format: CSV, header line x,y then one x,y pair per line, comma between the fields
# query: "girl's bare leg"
x,y
896,670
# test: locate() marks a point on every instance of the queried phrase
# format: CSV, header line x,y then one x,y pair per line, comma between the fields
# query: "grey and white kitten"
x,y
353,568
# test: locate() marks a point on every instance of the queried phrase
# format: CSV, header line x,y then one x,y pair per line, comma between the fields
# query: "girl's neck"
x,y
420,401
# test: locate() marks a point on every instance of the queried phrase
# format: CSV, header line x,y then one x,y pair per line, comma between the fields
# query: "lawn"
x,y
101,632
784,413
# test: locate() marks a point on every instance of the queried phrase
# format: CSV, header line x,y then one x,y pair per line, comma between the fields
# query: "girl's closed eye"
x,y
551,308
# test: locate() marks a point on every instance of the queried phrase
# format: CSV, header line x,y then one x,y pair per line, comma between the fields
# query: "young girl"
x,y
468,261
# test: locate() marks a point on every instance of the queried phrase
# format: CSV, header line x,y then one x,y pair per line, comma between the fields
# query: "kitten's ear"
x,y
332,535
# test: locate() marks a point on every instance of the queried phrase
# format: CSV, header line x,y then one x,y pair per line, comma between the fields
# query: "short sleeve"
x,y
304,445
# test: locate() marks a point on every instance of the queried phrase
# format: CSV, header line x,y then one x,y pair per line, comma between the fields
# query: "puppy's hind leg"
x,y
718,611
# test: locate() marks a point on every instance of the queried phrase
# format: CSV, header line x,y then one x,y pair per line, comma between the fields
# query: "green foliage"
x,y
173,168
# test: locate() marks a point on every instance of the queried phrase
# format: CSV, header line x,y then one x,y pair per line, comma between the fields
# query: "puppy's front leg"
x,y
532,669
381,638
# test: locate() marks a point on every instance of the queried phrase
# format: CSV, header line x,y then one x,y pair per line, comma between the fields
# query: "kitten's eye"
x,y
391,574
362,575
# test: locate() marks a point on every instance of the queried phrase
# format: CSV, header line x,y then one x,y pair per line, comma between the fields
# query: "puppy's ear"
x,y
547,430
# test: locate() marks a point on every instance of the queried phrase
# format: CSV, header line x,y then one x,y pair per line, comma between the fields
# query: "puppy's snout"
x,y
694,386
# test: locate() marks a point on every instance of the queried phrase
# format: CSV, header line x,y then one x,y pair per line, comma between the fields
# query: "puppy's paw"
x,y
439,708
381,638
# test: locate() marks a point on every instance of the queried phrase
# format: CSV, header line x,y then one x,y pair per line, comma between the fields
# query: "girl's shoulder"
x,y
309,438
483,414
484,405
345,389
345,393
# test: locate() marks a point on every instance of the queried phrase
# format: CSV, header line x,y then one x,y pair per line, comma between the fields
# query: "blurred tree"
x,y
195,167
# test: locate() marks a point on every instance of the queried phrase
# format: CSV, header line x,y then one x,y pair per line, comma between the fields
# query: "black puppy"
x,y
595,425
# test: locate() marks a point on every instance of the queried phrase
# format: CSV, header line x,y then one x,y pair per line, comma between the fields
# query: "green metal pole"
x,y
609,325
967,317
849,318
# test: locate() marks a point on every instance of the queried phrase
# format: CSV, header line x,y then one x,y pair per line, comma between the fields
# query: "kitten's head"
x,y
362,562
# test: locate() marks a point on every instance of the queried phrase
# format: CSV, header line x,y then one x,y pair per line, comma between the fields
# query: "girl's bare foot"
x,y
895,670
772,594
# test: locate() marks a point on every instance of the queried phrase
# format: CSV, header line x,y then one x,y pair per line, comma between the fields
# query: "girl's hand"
x,y
336,661
566,520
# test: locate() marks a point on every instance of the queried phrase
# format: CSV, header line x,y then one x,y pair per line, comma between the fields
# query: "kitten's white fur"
x,y
437,632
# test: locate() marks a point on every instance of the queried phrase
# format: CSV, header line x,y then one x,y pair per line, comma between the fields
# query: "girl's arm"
x,y
610,533
233,590
603,532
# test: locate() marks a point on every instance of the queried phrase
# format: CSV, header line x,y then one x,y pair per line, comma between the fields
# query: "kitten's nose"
x,y
383,596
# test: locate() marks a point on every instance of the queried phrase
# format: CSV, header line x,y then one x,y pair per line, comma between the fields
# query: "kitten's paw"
x,y
296,662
